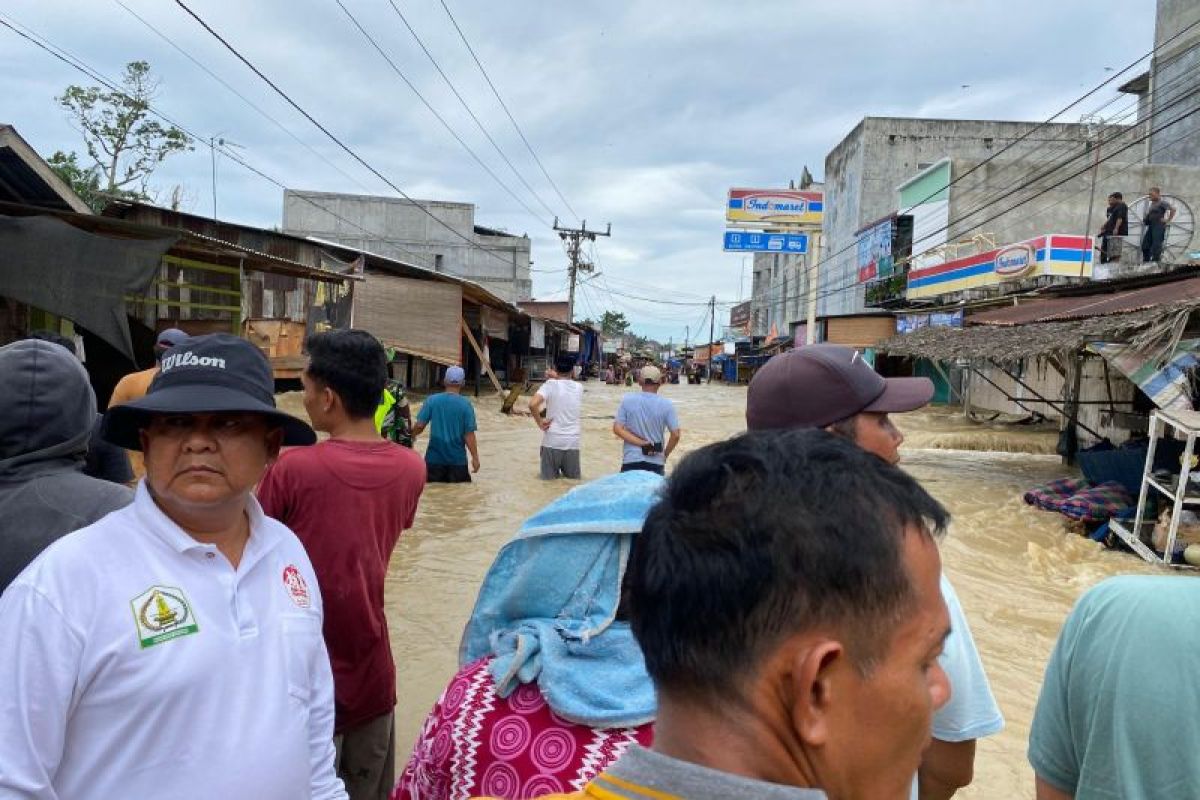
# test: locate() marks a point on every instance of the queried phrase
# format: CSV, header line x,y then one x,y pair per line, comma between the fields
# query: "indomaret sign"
x,y
769,207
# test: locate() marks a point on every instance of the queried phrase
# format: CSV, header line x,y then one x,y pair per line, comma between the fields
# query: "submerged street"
x,y
1016,569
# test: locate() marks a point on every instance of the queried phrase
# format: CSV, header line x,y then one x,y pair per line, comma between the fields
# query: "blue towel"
x,y
545,611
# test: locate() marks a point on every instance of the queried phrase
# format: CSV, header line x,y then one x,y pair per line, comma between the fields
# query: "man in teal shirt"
x,y
1117,717
451,420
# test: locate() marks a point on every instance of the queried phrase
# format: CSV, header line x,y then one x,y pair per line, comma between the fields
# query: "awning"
x,y
1056,309
54,266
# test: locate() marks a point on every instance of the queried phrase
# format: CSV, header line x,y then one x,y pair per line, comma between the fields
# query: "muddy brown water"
x,y
1017,570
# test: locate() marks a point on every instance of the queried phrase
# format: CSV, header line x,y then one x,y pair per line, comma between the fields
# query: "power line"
x,y
78,64
349,151
427,105
241,96
826,258
467,108
504,105
855,283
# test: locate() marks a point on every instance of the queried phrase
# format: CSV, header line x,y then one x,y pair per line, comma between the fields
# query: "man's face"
x,y
875,433
200,461
1155,195
1112,201
881,729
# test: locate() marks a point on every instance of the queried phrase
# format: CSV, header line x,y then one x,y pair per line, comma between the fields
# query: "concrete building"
x,y
399,229
866,171
964,199
1175,71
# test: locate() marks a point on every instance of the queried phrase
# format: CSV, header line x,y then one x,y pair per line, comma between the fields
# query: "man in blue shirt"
x,y
1117,713
642,419
451,420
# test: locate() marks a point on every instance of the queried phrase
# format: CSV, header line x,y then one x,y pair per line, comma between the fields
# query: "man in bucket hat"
x,y
832,387
174,649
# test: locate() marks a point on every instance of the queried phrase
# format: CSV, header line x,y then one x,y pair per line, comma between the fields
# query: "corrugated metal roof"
x,y
1057,309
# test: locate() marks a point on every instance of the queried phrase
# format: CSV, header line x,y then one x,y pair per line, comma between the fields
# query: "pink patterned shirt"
x,y
476,744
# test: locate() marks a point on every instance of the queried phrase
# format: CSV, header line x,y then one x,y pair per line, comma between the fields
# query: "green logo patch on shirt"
x,y
162,613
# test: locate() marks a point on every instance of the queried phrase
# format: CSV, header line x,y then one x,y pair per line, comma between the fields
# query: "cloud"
x,y
644,113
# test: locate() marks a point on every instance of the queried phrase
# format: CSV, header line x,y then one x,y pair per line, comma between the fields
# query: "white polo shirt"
x,y
136,663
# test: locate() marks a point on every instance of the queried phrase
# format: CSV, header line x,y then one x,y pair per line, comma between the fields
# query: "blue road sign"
x,y
743,241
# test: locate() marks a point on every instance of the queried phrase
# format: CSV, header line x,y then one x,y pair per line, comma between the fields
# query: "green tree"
x,y
120,138
613,323
85,182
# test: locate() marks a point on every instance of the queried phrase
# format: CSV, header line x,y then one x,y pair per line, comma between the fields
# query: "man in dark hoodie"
x,y
47,412
105,461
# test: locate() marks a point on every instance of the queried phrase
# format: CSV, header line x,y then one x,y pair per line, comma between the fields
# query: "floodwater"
x,y
1017,570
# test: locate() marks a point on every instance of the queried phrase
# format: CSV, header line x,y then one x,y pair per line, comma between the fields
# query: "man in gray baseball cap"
x,y
832,387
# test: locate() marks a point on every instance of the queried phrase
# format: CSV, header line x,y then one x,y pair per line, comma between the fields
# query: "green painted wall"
x,y
936,182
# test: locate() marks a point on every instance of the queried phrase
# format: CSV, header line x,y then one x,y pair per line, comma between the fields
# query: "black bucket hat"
x,y
206,374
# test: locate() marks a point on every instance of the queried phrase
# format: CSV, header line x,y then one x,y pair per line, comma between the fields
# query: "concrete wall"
x,y
778,292
1058,210
863,172
1175,71
398,229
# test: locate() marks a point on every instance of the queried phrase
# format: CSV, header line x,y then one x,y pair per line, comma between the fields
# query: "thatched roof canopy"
x,y
1012,344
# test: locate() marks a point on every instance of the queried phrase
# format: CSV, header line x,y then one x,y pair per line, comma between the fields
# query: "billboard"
x,y
739,315
1052,254
907,323
747,241
774,207
875,258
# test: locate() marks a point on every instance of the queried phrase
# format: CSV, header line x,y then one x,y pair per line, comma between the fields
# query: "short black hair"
x,y
1117,196
764,536
54,338
564,365
353,364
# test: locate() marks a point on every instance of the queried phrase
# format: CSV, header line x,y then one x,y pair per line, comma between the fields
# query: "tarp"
x,y
54,266
1165,384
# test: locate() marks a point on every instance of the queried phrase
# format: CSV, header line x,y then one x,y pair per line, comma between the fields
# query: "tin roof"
x,y
1056,309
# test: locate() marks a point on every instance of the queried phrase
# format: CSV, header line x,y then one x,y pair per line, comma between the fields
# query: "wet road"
x,y
1016,569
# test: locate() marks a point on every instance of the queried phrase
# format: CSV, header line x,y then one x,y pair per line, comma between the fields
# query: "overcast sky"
x,y
644,113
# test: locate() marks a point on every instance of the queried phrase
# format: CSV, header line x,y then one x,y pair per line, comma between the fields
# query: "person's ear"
x,y
145,440
819,687
274,444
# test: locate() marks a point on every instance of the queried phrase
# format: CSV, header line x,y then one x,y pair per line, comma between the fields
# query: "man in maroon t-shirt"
x,y
348,499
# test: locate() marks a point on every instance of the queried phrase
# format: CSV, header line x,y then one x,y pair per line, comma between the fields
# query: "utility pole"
x,y
572,240
712,322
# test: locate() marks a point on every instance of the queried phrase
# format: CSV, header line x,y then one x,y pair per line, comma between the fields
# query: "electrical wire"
x,y
404,78
78,64
829,257
468,109
504,105
242,97
328,133
855,284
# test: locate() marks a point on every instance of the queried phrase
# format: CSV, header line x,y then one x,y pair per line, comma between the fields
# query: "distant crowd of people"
x,y
771,620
